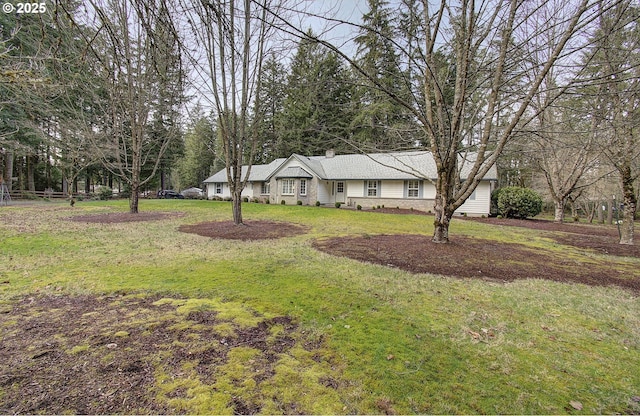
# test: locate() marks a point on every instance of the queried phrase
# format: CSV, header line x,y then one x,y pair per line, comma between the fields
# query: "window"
x,y
265,188
372,188
413,189
340,187
218,188
303,186
287,186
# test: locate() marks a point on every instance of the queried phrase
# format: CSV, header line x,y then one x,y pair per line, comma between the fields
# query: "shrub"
x,y
299,202
126,192
105,193
516,202
359,207
255,200
338,204
245,199
267,201
283,202
317,203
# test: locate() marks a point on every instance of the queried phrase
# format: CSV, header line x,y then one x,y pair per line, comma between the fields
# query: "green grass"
x,y
407,343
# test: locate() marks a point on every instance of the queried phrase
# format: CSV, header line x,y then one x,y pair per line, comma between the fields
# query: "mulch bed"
x,y
602,239
473,258
120,217
249,230
547,225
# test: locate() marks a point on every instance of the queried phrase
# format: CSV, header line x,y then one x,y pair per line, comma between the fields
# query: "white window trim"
x,y
291,183
265,188
373,188
303,187
415,189
219,190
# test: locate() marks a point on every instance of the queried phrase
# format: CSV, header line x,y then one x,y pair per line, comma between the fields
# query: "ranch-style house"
x,y
400,179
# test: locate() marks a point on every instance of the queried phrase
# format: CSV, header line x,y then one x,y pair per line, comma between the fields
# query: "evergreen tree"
x,y
272,97
199,151
318,109
381,122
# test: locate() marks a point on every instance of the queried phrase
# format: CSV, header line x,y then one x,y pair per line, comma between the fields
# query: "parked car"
x,y
193,193
170,194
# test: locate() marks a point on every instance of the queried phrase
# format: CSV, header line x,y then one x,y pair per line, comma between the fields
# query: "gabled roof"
x,y
380,166
375,166
294,172
259,173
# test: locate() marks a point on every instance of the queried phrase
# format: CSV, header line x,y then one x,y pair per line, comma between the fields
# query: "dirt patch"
x,y
120,217
602,244
250,230
547,225
122,354
602,239
474,258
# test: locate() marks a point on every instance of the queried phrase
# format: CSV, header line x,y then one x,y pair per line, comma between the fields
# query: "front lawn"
x,y
149,319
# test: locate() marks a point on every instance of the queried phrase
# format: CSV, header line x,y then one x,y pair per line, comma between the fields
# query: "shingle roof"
x,y
294,172
398,165
259,173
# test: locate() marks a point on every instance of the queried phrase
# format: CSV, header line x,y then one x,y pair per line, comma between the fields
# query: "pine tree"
x,y
381,122
318,109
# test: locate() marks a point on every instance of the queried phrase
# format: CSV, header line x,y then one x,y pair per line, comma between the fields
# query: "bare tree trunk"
x,y
237,208
31,181
8,171
559,210
630,204
133,200
610,207
135,183
600,207
443,209
441,224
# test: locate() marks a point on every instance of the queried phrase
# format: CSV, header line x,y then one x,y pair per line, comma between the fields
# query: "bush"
x,y
516,202
359,207
317,203
105,193
299,202
126,192
283,202
245,199
338,204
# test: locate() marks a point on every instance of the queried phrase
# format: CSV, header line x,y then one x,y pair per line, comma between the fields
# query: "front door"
x,y
340,192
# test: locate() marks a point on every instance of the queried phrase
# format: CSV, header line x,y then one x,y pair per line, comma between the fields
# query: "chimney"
x,y
330,153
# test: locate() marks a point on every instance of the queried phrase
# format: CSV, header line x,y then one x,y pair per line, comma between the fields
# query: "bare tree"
x,y
234,37
135,47
614,95
563,148
473,94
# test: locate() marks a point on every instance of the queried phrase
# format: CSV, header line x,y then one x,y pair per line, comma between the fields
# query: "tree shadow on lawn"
x,y
249,230
467,257
121,217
